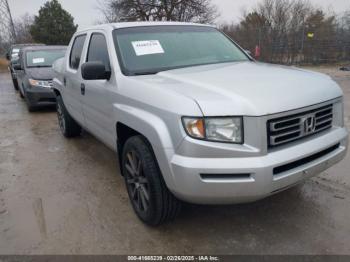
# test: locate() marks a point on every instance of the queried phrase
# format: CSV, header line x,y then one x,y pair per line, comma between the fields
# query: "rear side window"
x,y
77,49
98,51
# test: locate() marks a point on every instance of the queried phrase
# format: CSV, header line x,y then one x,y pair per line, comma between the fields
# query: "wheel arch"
x,y
124,132
131,122
57,92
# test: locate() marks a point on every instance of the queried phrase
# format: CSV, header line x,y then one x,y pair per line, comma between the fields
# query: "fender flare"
x,y
154,130
147,124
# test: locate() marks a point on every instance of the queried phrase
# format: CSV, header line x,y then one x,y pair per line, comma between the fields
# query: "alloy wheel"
x,y
61,120
137,183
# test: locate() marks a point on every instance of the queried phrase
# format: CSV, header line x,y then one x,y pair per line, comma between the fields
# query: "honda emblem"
x,y
309,124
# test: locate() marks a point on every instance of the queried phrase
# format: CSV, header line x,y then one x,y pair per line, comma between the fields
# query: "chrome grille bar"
x,y
290,128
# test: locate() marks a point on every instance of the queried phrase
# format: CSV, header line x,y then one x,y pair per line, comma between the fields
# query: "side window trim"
x,y
71,51
88,49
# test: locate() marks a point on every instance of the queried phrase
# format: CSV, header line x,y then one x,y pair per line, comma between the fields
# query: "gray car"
x,y
193,117
13,57
34,74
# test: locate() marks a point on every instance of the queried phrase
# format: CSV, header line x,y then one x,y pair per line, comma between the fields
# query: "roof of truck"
x,y
44,47
20,46
112,26
27,44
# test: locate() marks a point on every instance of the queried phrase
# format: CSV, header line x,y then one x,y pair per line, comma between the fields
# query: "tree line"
x,y
197,11
52,26
283,31
293,31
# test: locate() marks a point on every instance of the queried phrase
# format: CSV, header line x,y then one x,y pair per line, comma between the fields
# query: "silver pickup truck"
x,y
193,117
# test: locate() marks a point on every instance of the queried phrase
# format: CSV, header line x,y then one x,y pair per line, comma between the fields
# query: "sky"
x,y
86,12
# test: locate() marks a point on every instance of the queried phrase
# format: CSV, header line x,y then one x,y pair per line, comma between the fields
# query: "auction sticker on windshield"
x,y
149,47
38,60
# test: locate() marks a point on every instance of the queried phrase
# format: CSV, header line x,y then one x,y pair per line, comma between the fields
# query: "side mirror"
x,y
95,71
17,66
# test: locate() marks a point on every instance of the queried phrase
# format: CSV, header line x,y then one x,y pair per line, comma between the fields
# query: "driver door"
x,y
97,98
72,80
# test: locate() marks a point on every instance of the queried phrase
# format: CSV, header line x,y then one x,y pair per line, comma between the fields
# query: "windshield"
x,y
14,53
149,50
43,58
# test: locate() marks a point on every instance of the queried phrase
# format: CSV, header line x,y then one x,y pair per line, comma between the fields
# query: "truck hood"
x,y
247,88
41,73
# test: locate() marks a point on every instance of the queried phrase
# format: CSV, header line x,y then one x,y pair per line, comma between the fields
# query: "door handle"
x,y
82,89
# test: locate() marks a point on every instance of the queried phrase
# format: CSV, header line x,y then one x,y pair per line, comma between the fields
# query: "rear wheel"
x,y
152,201
68,126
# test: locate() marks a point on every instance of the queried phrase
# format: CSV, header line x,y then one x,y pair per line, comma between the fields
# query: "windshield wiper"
x,y
39,66
146,73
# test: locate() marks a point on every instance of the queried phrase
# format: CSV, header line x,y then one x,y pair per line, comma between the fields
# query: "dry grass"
x,y
3,64
329,70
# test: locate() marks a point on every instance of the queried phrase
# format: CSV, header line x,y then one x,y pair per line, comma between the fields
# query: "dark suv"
x,y
35,74
13,57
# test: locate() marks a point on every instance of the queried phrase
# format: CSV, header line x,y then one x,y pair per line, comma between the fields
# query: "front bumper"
x,y
40,96
247,179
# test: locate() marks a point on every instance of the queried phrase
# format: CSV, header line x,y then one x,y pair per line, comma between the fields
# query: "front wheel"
x,y
68,126
31,108
152,201
21,93
15,84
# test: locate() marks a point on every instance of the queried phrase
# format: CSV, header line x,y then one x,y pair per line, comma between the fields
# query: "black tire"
x,y
21,93
144,180
15,84
30,107
69,127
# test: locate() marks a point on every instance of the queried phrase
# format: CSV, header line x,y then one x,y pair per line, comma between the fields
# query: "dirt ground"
x,y
3,64
60,196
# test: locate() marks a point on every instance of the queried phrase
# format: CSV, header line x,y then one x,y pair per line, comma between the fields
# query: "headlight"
x,y
219,129
39,83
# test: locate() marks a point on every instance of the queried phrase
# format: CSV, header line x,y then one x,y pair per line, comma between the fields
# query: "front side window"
x,y
43,58
148,50
98,51
77,49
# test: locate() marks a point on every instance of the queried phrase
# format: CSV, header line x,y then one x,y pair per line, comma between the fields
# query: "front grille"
x,y
290,128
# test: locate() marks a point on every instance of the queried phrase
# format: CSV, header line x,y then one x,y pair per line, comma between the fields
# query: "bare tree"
x,y
22,28
323,45
293,31
296,29
343,34
201,11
